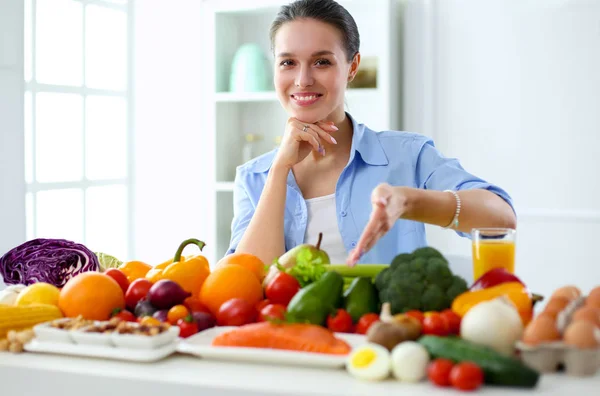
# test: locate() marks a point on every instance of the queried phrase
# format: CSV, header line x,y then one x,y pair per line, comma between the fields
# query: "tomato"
x,y
137,290
120,277
193,304
124,315
236,312
466,376
438,371
416,314
341,322
453,321
272,312
177,312
435,324
187,326
261,304
149,321
282,288
365,322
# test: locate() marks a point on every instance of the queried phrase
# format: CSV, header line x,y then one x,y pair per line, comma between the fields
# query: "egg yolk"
x,y
363,358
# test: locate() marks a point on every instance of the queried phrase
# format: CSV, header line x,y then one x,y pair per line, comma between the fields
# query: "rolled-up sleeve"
x,y
243,209
437,172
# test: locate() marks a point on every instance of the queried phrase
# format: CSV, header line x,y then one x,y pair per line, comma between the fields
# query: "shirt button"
x,y
353,244
343,213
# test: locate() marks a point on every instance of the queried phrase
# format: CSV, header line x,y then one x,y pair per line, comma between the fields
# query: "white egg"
x,y
369,362
409,361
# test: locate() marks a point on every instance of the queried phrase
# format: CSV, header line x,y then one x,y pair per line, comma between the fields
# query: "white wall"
x,y
170,144
512,88
12,161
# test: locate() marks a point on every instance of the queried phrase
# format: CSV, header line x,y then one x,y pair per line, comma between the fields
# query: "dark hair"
x,y
327,11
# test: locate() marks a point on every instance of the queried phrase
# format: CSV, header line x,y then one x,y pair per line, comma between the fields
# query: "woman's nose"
x,y
304,77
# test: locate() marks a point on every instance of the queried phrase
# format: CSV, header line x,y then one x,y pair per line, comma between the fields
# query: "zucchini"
x,y
498,369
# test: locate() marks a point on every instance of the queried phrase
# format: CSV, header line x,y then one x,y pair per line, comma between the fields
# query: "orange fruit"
x,y
246,260
92,295
134,270
227,282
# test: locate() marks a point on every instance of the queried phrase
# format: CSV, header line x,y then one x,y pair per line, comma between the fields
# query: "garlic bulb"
x,y
9,295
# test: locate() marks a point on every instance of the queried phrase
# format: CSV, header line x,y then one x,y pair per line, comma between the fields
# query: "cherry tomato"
x,y
137,290
177,312
123,314
466,376
261,304
365,322
282,288
120,277
341,322
236,312
193,304
417,315
439,370
453,321
435,324
149,321
187,326
272,312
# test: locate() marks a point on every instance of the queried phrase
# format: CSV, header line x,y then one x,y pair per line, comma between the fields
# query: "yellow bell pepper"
x,y
189,273
134,270
516,292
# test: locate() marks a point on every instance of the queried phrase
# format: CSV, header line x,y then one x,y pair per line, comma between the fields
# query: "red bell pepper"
x,y
494,277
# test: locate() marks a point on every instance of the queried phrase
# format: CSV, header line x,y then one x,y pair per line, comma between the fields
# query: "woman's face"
x,y
311,70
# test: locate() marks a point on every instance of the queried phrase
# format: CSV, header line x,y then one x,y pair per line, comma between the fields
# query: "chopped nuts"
x,y
4,345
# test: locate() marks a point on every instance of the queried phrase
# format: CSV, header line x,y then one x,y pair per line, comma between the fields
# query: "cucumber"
x,y
360,270
498,369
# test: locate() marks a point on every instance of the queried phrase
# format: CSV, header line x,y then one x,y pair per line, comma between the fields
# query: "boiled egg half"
x,y
369,362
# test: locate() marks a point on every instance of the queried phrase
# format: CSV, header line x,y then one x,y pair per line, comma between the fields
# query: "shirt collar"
x,y
365,142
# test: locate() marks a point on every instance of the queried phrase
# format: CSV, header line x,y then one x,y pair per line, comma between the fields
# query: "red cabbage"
x,y
53,261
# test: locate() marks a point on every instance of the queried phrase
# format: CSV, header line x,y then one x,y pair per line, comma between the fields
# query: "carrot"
x,y
291,337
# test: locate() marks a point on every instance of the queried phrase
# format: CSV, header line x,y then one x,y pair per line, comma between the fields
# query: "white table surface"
x,y
182,375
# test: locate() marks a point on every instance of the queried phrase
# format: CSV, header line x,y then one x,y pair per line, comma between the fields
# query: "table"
x,y
183,375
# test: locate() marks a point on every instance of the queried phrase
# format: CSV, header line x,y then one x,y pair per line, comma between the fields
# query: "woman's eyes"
x,y
318,62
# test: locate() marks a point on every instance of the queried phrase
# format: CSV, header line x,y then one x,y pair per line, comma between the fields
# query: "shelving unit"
x,y
231,116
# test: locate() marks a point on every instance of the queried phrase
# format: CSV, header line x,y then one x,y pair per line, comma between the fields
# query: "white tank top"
x,y
322,218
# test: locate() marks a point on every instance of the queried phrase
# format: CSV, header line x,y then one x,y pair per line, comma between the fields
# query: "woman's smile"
x,y
305,99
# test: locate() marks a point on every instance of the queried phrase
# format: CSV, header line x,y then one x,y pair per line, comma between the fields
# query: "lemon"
x,y
107,261
39,293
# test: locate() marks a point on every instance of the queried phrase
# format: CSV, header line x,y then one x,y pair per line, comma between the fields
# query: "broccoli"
x,y
419,280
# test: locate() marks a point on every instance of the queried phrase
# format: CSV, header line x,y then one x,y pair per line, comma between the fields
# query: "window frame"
x,y
32,87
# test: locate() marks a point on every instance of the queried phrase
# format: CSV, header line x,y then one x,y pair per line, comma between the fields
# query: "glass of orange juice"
x,y
493,248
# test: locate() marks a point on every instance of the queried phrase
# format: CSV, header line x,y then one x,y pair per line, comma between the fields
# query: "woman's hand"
x,y
389,204
301,138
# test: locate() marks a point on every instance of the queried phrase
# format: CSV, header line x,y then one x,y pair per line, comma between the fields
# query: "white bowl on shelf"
x,y
82,337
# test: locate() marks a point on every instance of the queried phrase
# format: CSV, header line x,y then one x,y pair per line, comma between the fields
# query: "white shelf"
x,y
224,186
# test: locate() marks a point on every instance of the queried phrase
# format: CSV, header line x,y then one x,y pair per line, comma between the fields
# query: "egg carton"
x,y
554,356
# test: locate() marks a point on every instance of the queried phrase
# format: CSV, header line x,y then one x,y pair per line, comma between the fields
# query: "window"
x,y
77,122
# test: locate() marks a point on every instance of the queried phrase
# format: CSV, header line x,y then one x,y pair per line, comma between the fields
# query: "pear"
x,y
301,253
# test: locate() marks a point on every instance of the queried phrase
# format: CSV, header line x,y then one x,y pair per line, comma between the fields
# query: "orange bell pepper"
x,y
516,292
189,273
134,270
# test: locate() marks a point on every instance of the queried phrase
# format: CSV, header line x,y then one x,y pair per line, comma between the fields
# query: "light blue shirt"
x,y
397,158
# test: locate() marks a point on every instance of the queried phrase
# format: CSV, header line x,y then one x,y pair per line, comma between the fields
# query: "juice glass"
x,y
493,248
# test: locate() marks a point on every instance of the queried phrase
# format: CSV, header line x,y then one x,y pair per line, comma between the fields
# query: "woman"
x,y
369,193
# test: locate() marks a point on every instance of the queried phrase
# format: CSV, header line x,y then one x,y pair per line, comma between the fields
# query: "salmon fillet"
x,y
291,337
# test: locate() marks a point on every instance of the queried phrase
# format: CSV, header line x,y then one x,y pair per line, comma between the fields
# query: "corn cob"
x,y
21,317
